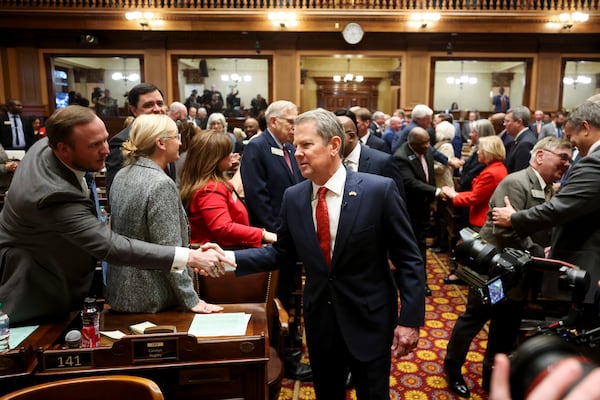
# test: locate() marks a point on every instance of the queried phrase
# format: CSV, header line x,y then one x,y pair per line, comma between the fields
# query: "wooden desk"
x,y
184,366
17,365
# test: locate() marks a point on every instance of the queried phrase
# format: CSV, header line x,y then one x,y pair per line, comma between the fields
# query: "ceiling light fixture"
x,y
283,19
145,19
462,79
235,77
348,77
569,19
422,20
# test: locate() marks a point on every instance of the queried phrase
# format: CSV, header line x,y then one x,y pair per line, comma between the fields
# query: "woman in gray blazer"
x,y
145,205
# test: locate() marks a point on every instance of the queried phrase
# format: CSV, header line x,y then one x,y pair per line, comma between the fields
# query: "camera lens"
x,y
534,360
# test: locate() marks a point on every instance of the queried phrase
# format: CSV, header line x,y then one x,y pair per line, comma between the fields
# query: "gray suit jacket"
x,y
574,213
524,191
145,205
549,130
50,239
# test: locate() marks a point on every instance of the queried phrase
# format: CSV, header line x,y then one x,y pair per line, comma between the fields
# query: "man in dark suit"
x,y
363,121
50,235
344,238
501,102
144,98
360,158
17,131
516,123
415,161
549,162
574,211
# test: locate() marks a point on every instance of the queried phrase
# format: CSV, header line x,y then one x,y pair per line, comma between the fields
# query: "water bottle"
x,y
4,331
90,318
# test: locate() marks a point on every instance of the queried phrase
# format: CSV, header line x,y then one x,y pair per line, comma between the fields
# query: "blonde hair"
x,y
145,130
492,148
201,165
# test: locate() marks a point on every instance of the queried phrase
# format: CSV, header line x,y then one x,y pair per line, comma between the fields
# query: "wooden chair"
x,y
109,387
255,288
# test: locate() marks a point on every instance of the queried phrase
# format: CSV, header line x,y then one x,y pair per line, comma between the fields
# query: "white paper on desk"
x,y
114,335
225,324
17,335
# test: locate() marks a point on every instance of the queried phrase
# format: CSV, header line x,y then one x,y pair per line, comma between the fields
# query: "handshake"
x,y
447,193
209,260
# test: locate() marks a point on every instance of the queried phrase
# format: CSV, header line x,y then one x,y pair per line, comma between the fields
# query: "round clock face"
x,y
353,33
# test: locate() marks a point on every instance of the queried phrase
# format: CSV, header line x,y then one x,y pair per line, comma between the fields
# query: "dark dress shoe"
x,y
454,281
427,291
457,384
298,371
349,381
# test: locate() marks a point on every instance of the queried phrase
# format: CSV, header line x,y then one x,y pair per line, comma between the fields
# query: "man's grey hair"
x,y
279,108
421,111
549,143
327,125
378,114
522,113
587,111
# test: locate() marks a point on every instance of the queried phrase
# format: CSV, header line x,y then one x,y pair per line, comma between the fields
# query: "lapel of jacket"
x,y
351,202
363,160
280,159
416,163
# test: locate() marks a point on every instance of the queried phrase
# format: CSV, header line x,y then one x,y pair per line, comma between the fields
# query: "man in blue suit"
x,y
344,238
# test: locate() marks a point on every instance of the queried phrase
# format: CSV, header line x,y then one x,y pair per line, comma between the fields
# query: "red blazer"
x,y
478,198
217,215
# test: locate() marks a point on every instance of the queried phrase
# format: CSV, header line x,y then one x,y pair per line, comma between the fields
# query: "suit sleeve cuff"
x,y
180,260
230,256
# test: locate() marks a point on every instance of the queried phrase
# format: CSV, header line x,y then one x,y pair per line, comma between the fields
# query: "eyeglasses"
x,y
289,120
178,137
564,157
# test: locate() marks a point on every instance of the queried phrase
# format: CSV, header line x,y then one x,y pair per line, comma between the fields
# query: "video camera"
x,y
491,272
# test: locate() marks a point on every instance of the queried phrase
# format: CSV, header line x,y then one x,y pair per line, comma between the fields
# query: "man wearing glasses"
x,y
526,188
575,210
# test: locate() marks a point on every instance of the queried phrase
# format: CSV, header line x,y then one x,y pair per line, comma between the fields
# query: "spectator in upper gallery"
x,y
363,121
516,123
215,211
17,130
501,102
145,205
107,106
233,100
538,122
257,104
192,100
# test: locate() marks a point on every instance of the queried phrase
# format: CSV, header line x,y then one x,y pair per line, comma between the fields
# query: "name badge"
x,y
7,123
538,194
277,151
411,157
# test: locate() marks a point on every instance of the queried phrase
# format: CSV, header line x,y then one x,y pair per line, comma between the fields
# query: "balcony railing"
x,y
397,5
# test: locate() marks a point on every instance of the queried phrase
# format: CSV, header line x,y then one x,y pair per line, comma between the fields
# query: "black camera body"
x,y
491,272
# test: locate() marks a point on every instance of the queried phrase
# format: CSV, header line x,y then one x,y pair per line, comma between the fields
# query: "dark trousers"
x,y
330,368
505,321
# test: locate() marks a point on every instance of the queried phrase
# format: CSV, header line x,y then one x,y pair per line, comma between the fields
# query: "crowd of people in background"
x,y
501,175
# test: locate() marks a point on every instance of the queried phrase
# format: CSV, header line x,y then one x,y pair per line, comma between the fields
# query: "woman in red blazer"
x,y
215,212
491,152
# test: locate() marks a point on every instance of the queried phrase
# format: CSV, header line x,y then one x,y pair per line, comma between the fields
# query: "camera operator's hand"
x,y
501,215
552,386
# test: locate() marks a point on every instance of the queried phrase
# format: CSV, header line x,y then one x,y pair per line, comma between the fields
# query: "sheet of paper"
x,y
17,335
225,324
115,335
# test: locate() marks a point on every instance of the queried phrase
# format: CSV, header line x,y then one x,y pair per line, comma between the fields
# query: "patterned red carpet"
x,y
420,375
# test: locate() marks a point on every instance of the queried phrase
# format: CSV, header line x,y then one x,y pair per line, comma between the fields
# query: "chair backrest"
x,y
109,387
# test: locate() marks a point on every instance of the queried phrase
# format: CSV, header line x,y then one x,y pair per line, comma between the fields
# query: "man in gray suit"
x,y
555,128
50,236
575,210
526,188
